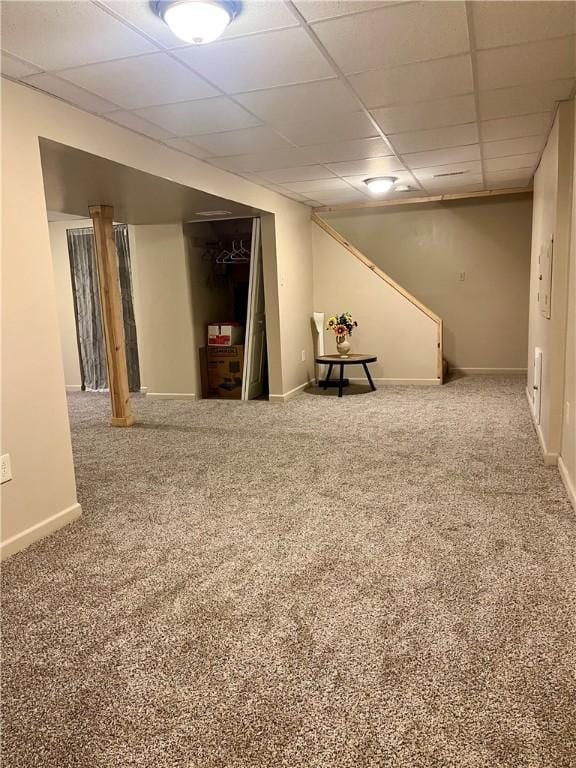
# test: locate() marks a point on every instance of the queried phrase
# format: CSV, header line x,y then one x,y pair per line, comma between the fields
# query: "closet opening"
x,y
229,308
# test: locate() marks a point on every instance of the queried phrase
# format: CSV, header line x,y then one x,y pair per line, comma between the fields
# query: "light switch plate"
x,y
6,469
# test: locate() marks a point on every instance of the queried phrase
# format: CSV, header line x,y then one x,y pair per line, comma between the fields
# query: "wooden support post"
x,y
112,319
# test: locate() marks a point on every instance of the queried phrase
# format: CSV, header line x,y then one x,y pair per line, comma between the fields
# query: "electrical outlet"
x,y
6,469
462,276
303,355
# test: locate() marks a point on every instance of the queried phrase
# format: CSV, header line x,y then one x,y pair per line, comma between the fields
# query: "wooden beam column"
x,y
112,319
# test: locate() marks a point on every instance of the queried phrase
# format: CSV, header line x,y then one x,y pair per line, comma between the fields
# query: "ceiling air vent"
x,y
451,173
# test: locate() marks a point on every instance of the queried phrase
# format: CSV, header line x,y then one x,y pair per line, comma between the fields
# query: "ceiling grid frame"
x,y
426,151
344,80
472,42
170,53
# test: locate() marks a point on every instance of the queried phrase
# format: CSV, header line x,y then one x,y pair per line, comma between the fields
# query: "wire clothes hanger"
x,y
238,254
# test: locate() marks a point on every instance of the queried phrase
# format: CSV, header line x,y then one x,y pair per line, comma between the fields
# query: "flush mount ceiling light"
x,y
380,184
197,21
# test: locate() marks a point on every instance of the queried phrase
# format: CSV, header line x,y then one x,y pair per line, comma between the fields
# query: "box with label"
x,y
225,366
225,334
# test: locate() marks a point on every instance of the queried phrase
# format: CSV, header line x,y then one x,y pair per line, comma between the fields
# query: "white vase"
x,y
343,347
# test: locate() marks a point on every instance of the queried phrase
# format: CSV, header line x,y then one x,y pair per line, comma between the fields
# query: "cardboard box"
x,y
225,367
225,334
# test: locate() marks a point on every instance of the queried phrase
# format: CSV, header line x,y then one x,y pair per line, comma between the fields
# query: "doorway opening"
x,y
227,286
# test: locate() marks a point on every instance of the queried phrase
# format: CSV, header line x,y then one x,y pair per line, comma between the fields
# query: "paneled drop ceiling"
x,y
312,96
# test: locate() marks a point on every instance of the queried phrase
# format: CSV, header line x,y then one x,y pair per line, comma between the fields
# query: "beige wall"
x,y
42,494
567,459
426,247
64,298
390,326
35,429
552,217
163,310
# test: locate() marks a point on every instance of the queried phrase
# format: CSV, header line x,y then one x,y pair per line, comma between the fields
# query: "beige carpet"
x,y
384,580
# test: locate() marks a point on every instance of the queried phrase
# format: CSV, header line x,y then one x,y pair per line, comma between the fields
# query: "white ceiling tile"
x,y
352,125
455,110
260,16
514,177
203,116
266,161
499,23
295,196
349,150
415,82
254,16
140,14
471,168
526,64
340,197
70,93
138,124
368,166
315,10
183,145
281,57
303,173
59,34
397,34
511,162
248,140
524,99
306,101
524,146
509,183
516,127
16,68
470,184
443,156
317,185
437,138
141,81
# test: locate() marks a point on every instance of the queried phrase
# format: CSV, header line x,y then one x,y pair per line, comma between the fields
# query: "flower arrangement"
x,y
342,325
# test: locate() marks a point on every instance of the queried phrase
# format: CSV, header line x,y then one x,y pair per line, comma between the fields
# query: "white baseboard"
x,y
288,395
550,459
568,481
22,540
171,395
73,387
143,390
465,371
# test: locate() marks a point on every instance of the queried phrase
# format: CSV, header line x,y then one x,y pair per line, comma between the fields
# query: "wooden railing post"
x,y
112,319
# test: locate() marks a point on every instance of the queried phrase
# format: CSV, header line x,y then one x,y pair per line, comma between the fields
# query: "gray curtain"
x,y
89,329
125,271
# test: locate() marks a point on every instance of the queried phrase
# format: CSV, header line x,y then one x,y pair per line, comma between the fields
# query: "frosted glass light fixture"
x,y
379,185
197,21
